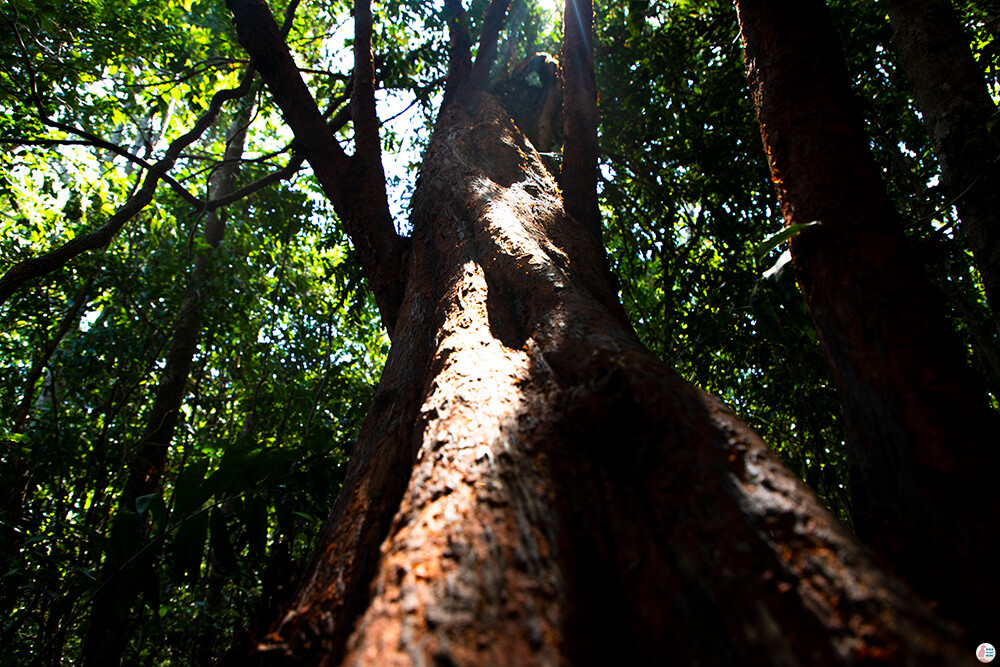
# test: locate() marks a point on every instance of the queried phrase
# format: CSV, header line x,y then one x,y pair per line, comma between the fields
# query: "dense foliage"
x,y
93,91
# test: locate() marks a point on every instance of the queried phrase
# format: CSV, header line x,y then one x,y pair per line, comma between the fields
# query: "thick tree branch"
x,y
379,248
959,114
286,24
50,261
366,138
496,14
579,165
921,439
368,201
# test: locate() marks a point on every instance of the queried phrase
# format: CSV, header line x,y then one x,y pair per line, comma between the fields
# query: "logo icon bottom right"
x,y
986,653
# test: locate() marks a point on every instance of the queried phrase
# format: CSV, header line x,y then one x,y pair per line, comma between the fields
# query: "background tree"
x,y
960,117
919,430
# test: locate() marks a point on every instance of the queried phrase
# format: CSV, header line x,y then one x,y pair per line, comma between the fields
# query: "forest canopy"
x,y
190,342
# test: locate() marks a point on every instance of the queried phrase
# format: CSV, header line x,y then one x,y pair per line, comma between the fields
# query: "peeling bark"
x,y
958,113
922,441
531,486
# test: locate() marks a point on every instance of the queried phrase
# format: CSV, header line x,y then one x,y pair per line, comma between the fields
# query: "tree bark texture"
x,y
532,487
922,442
960,118
129,568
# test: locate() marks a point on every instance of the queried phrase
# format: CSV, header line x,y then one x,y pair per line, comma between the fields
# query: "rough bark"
x,y
531,486
922,442
129,568
960,117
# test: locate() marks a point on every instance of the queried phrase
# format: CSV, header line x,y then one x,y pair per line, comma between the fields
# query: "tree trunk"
x,y
921,439
129,568
578,176
960,118
531,486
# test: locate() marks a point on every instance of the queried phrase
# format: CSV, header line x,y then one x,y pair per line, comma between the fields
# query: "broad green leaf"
x,y
772,242
221,545
142,502
188,547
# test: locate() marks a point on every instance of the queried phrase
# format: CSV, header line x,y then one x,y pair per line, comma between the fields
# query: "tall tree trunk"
x,y
531,486
922,442
130,565
578,176
960,118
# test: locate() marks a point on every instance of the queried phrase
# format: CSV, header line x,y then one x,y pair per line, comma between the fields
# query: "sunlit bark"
x,y
531,486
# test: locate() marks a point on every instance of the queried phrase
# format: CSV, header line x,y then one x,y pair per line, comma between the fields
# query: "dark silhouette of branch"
x,y
282,174
379,248
50,261
45,143
579,165
496,13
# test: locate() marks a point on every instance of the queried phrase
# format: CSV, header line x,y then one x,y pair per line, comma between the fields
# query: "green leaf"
x,y
188,548
222,547
142,503
187,492
17,437
772,242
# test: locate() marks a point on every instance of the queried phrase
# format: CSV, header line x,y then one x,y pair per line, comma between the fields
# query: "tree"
x,y
530,483
130,566
906,390
458,536
960,117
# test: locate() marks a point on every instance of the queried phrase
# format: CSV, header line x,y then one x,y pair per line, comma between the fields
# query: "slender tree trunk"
x,y
130,567
532,487
960,117
922,442
578,176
